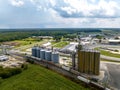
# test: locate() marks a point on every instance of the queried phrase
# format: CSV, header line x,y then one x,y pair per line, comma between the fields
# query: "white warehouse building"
x,y
4,58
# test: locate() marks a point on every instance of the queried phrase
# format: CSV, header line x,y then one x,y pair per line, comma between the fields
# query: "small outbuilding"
x,y
3,58
114,41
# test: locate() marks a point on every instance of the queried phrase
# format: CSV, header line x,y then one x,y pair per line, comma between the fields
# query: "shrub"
x,y
7,72
16,71
30,61
24,66
1,80
116,50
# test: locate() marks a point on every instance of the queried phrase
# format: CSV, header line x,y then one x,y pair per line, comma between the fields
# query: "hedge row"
x,y
7,72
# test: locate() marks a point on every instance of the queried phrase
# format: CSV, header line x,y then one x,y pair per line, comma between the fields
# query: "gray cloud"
x,y
82,8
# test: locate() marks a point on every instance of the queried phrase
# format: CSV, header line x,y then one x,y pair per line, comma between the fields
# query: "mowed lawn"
x,y
39,78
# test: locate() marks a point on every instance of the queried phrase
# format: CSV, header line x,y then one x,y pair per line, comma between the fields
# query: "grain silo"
x,y
97,63
88,61
42,54
55,57
38,51
73,60
34,51
48,55
81,60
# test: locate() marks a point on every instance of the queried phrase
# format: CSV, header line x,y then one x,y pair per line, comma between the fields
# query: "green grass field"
x,y
60,44
107,53
27,41
38,78
24,47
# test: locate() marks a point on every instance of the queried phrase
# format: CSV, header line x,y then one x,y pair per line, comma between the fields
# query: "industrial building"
x,y
44,54
4,58
88,61
114,41
69,48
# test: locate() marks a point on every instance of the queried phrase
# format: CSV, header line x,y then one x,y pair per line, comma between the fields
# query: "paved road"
x,y
114,72
109,58
101,45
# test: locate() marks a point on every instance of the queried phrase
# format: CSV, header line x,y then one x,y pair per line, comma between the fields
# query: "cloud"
x,y
59,13
17,3
82,8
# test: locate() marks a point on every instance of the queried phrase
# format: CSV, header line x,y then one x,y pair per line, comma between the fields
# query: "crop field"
x,y
38,78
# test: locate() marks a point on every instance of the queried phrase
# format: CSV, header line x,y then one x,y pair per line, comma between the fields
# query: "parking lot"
x,y
112,74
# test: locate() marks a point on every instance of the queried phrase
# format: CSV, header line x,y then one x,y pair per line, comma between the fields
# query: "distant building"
x,y
43,37
86,40
3,58
104,41
114,41
88,61
70,48
46,44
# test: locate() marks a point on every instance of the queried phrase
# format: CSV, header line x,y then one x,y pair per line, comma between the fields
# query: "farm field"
x,y
38,78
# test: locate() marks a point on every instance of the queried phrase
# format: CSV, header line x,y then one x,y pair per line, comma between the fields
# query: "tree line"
x,y
21,34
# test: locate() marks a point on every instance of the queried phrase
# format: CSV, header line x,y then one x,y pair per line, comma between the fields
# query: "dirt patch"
x,y
12,43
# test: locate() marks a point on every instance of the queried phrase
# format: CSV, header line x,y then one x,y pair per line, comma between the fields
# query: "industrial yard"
x,y
60,45
12,61
83,56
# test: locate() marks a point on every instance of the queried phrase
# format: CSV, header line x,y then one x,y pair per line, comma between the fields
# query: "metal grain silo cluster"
x,y
89,61
44,54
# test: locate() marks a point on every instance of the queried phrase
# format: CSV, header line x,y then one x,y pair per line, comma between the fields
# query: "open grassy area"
x,y
107,53
22,42
60,44
24,47
39,78
27,41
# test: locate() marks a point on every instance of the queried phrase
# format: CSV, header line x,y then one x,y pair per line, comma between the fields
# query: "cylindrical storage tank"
x,y
73,60
34,51
42,54
55,57
38,52
97,62
48,55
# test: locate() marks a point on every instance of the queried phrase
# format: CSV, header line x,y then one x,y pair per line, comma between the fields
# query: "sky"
x,y
59,13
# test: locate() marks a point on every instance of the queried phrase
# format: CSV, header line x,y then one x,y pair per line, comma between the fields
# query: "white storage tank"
x,y
42,54
38,51
34,51
48,55
55,57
